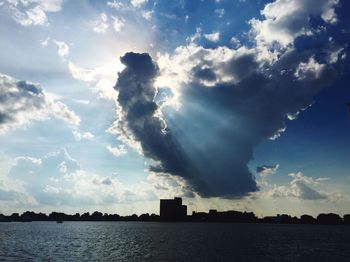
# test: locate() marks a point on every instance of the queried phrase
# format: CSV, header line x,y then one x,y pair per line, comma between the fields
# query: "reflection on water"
x,y
147,241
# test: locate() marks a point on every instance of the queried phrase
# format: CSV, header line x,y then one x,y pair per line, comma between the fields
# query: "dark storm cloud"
x,y
136,94
220,125
231,99
229,120
204,74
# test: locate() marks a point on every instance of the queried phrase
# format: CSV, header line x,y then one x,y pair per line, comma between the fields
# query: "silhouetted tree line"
x,y
29,216
212,216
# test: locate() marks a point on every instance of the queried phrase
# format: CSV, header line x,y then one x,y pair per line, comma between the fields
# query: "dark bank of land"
x,y
172,210
212,216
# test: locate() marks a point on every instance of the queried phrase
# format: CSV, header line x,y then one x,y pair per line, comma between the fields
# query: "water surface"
x,y
152,241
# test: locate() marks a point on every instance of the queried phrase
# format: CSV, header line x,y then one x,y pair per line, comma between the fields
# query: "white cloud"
x,y
100,25
45,42
213,37
81,73
36,161
23,102
105,87
220,12
61,111
336,54
305,187
101,79
117,151
48,5
104,22
126,138
264,170
118,23
235,42
82,101
169,186
32,12
147,14
63,48
138,3
285,20
309,70
302,187
78,136
329,15
57,179
35,16
115,4
320,179
195,36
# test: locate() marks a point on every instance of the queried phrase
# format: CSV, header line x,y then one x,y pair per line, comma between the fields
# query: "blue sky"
x,y
233,105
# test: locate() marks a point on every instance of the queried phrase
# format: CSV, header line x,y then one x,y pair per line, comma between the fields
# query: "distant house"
x,y
172,209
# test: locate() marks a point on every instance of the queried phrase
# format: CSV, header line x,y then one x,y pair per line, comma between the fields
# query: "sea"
x,y
156,241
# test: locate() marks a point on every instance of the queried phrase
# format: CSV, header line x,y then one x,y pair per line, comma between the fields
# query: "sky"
x,y
110,105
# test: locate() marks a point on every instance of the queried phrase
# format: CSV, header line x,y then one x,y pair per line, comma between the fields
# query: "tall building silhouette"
x,y
172,209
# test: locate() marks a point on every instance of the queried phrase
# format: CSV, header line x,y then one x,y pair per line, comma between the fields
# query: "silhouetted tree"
x,y
329,219
347,219
307,219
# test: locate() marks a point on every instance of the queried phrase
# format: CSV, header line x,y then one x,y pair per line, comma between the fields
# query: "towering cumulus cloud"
x,y
231,99
141,119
